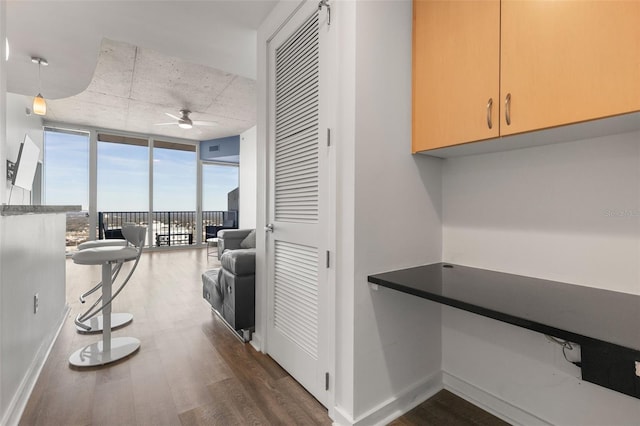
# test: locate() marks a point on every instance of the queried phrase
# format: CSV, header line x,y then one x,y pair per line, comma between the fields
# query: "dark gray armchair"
x,y
230,239
231,289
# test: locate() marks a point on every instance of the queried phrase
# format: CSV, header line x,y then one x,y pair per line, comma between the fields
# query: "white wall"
x,y
550,212
3,149
248,178
19,124
397,353
568,212
32,251
24,337
343,123
3,101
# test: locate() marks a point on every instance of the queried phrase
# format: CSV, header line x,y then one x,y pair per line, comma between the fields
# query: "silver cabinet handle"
x,y
507,109
489,108
269,227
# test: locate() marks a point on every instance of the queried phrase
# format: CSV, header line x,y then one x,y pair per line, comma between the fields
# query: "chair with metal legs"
x,y
118,242
86,324
111,259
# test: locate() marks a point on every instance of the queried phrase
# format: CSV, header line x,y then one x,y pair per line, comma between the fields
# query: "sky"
x,y
123,176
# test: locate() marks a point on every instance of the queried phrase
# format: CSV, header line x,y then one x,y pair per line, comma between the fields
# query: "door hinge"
x,y
328,259
328,137
326,381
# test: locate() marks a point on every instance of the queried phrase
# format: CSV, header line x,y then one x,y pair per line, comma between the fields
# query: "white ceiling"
x,y
169,55
133,88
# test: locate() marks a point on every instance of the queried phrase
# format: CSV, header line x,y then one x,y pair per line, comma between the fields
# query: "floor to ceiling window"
x,y
218,181
220,194
122,183
122,178
174,193
66,178
123,173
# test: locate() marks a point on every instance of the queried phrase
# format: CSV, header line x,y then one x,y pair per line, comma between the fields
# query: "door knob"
x,y
269,227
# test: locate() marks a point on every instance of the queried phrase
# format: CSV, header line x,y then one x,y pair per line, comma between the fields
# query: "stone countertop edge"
x,y
13,210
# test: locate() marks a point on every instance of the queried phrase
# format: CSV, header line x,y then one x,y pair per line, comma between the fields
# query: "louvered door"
x,y
296,248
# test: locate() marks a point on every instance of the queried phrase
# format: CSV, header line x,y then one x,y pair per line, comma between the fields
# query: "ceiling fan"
x,y
184,122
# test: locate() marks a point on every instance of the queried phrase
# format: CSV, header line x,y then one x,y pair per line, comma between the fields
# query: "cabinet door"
x,y
568,61
456,47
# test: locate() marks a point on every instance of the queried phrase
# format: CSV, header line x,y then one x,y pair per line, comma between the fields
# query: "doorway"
x,y
298,200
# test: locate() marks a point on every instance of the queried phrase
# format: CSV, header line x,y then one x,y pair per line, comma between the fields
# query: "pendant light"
x,y
39,104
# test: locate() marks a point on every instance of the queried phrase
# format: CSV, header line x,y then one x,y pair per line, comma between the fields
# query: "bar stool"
x,y
110,258
94,324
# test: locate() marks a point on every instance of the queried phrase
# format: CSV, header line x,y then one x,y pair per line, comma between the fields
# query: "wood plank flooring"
x,y
190,370
447,409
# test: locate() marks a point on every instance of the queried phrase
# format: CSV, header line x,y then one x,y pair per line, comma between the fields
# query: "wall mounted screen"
x,y
26,164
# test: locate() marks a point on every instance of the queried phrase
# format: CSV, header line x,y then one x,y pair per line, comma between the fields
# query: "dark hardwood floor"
x,y
447,409
190,370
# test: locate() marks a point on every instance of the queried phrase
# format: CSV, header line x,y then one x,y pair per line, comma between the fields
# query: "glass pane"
x,y
174,195
219,201
66,179
123,184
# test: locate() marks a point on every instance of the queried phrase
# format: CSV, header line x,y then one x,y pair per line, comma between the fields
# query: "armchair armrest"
x,y
230,239
239,262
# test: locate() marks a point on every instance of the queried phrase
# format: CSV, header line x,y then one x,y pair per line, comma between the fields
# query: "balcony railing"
x,y
175,228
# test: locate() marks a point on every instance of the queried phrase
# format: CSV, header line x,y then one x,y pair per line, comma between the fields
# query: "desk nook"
x,y
604,323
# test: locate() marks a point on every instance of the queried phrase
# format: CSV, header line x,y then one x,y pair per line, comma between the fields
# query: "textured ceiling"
x,y
132,88
217,33
199,55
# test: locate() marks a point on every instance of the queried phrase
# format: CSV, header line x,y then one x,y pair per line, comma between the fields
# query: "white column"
x,y
198,196
93,184
150,226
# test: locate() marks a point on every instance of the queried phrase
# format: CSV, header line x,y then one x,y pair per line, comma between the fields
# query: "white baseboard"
x,y
489,402
256,342
23,393
341,418
394,407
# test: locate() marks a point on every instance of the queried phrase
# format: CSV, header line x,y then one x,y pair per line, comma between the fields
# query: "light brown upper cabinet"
x,y
456,72
483,69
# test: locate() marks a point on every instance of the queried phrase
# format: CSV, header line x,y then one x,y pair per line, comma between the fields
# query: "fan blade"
x,y
204,123
172,116
165,124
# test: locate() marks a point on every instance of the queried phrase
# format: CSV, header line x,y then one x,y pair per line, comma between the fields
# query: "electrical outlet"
x,y
36,303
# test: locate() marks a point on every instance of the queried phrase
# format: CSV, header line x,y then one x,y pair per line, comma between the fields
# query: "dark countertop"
x,y
12,210
572,312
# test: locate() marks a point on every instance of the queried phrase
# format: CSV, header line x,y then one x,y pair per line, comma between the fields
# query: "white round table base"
x,y
117,320
92,355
